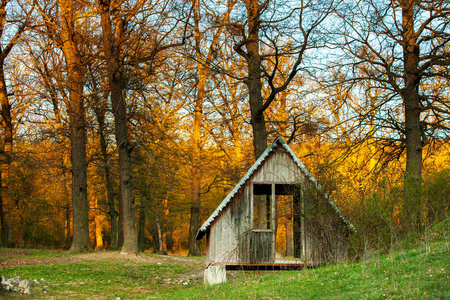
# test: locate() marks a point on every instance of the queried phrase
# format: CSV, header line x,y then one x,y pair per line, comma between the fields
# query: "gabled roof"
x,y
278,141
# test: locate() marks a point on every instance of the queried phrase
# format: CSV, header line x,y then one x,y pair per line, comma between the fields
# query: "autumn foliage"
x,y
165,98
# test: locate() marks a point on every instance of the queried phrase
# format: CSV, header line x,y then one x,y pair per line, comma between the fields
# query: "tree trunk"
x,y
289,227
196,171
411,100
164,227
254,82
252,56
297,209
194,224
130,243
117,82
5,157
7,127
159,232
112,208
77,124
3,236
20,240
100,113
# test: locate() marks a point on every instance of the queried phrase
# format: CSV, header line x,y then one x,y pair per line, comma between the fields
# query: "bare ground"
x,y
23,257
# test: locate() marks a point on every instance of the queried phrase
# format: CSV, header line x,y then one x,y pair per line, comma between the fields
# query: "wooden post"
x,y
304,252
273,223
297,226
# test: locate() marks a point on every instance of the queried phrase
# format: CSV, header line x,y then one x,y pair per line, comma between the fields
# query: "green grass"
x,y
6,253
418,271
102,280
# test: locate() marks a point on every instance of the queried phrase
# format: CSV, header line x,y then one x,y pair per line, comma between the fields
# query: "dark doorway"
x,y
281,213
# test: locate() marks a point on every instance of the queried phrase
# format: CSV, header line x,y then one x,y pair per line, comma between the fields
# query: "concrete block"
x,y
215,275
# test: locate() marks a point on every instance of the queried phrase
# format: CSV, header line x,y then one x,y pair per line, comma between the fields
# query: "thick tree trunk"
x,y
127,209
411,100
196,171
2,217
7,128
117,82
5,157
254,60
297,208
254,82
80,240
130,244
77,124
112,208
109,184
289,227
194,223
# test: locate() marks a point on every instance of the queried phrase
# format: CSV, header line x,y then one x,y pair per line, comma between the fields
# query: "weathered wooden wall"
x,y
279,167
223,238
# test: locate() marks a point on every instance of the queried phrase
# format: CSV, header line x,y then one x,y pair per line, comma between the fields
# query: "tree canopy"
x,y
126,122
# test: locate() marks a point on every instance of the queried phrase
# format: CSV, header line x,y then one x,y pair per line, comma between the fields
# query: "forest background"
x,y
126,122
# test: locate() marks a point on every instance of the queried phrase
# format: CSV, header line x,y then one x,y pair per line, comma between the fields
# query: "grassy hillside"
x,y
422,271
417,270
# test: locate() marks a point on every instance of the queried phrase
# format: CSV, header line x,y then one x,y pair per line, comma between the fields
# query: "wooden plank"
x,y
273,224
213,255
252,203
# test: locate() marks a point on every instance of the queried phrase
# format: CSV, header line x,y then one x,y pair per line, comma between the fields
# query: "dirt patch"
x,y
21,257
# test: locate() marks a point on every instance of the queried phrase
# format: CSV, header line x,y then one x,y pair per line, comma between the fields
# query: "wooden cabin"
x,y
277,216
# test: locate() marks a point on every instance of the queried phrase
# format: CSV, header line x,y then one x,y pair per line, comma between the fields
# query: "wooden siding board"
x,y
219,238
208,249
279,168
228,226
225,234
212,243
